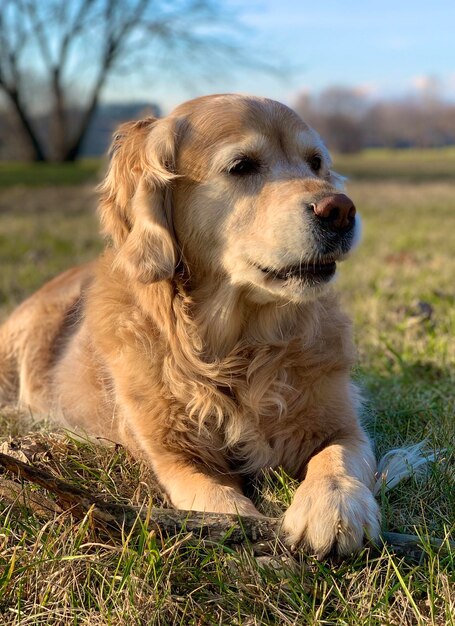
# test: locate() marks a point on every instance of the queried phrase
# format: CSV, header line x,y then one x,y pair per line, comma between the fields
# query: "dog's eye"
x,y
244,166
315,163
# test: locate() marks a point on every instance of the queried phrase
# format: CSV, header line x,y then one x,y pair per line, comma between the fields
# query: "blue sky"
x,y
385,48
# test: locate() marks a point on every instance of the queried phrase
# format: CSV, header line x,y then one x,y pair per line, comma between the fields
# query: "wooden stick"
x,y
114,516
15,493
230,529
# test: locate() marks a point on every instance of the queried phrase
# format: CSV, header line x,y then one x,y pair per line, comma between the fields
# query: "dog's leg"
x,y
187,480
333,508
191,487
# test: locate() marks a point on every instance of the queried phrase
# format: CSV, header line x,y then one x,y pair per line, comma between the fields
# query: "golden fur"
x,y
182,341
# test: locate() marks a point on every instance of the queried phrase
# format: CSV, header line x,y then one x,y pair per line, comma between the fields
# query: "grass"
x,y
399,290
44,174
42,232
404,165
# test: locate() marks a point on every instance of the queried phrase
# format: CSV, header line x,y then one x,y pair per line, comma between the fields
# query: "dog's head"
x,y
238,189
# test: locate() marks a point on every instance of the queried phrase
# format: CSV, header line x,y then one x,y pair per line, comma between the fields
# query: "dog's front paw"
x,y
331,514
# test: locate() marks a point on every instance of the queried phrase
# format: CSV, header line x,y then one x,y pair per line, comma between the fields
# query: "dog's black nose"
x,y
337,211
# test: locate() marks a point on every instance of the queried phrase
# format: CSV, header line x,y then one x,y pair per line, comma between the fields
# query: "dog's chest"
x,y
277,421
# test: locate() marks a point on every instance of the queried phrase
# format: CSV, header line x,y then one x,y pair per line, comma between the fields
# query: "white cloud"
x,y
426,83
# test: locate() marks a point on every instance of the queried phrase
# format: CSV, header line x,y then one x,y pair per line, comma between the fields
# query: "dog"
x,y
207,337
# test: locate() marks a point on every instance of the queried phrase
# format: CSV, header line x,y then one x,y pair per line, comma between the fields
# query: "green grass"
x,y
42,232
399,289
43,174
399,165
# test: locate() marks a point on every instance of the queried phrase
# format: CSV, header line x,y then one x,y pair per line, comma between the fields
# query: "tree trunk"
x,y
74,148
59,127
37,152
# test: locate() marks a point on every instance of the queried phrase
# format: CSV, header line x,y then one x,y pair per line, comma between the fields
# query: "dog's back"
x,y
34,336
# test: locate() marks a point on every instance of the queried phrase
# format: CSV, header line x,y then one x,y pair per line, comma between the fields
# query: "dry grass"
x,y
399,288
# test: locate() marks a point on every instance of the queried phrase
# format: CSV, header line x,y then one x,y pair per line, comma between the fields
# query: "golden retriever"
x,y
206,337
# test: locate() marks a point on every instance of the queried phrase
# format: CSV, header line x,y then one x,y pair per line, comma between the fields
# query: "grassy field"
x,y
414,166
399,289
19,174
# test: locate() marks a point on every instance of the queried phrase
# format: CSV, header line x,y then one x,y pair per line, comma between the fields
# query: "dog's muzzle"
x,y
333,224
336,213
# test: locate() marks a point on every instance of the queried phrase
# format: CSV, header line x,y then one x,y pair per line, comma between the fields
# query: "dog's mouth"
x,y
304,272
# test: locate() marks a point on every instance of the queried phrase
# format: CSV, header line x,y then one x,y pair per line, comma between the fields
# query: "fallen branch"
x,y
15,493
116,517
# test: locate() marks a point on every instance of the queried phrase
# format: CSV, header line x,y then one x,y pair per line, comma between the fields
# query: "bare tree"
x,y
77,46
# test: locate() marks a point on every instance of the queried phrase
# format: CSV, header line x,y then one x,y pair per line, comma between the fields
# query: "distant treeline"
x,y
349,120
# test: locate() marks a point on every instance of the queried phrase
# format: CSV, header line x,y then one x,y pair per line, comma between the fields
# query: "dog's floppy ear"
x,y
135,206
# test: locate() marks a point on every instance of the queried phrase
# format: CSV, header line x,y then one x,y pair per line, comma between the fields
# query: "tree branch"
x,y
115,42
232,529
115,517
39,31
73,31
